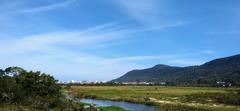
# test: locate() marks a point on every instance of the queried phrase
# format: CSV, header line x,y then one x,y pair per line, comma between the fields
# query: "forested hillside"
x,y
223,71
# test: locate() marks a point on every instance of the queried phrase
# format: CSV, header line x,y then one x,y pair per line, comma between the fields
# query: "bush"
x,y
36,89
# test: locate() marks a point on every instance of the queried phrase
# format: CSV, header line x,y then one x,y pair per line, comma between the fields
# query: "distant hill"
x,y
222,70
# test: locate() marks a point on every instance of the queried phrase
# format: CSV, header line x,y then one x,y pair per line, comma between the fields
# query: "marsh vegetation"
x,y
174,98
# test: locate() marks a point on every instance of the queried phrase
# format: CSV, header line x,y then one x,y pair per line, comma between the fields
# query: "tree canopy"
x,y
40,90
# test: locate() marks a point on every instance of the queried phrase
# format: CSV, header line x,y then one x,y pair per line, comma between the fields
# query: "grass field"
x,y
111,108
164,96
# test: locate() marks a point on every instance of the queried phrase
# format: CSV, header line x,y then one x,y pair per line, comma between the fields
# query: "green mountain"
x,y
218,71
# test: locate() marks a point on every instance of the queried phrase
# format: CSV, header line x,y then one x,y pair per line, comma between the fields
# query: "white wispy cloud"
x,y
49,52
99,36
144,10
182,59
90,37
140,58
209,51
149,12
49,7
167,25
186,62
224,32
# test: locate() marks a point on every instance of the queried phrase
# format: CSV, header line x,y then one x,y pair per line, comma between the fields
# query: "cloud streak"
x,y
230,32
149,12
49,7
144,10
48,52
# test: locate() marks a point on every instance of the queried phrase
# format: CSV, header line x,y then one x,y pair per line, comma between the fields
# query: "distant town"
x,y
77,82
81,82
107,82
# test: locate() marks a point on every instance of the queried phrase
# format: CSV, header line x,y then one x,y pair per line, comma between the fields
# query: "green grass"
x,y
155,95
8,107
140,93
112,108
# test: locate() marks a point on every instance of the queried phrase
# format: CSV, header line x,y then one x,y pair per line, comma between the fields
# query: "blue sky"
x,y
103,39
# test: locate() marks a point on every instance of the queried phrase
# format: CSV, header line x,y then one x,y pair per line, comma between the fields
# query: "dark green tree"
x,y
20,86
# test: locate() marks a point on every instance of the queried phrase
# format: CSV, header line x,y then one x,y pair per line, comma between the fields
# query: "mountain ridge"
x,y
226,69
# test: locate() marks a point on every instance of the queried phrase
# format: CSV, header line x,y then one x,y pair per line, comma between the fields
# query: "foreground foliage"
x,y
31,90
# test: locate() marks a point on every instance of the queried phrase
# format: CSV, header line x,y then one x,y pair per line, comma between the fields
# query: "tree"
x,y
40,90
2,73
19,85
14,71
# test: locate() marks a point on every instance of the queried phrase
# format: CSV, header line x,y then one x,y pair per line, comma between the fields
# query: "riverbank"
x,y
122,104
164,97
89,105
